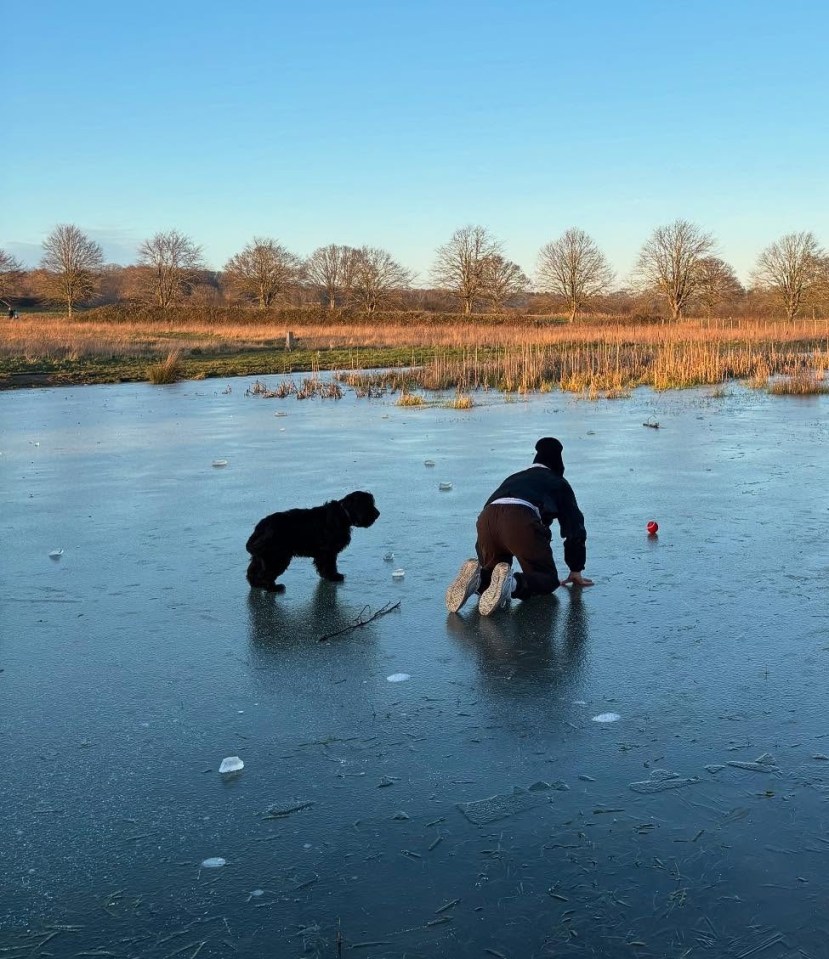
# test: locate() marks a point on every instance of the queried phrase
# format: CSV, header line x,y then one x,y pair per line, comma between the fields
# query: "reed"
x,y
800,383
167,371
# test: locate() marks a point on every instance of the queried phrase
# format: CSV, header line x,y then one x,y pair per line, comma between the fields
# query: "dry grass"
x,y
410,399
462,401
601,356
800,383
167,371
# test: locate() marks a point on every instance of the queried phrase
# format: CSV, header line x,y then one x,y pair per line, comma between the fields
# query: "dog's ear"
x,y
259,540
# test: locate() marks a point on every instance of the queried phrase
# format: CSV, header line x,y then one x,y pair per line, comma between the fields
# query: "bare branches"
x,y
363,619
718,284
331,270
11,274
171,263
669,262
460,264
71,262
502,280
376,276
791,267
573,267
262,271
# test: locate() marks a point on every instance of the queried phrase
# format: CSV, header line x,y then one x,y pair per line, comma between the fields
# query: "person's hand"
x,y
576,579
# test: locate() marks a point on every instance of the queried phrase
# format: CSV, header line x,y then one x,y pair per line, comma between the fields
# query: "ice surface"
x,y
153,621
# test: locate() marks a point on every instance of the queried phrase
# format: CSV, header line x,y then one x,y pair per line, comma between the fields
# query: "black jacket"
x,y
555,499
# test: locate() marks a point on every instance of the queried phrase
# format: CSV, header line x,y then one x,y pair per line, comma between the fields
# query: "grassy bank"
x,y
599,356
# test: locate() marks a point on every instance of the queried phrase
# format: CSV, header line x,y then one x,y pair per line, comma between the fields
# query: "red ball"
x,y
653,527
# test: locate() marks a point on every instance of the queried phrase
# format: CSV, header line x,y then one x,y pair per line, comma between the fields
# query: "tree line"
x,y
678,266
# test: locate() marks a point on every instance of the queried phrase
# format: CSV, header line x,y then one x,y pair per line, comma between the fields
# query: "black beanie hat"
x,y
548,453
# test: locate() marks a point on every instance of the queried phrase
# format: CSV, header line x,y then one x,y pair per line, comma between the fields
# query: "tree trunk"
x,y
573,311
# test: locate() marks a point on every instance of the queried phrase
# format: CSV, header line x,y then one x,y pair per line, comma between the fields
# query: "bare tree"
x,y
11,274
718,284
376,275
331,270
669,262
262,271
71,263
502,280
171,262
460,264
791,267
573,267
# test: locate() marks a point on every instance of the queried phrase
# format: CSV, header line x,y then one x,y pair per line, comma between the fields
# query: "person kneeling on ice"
x,y
515,522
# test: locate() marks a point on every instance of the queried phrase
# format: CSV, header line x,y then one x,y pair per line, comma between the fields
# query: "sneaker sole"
x,y
492,596
459,590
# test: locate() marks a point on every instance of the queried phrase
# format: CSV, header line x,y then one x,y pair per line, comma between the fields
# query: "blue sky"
x,y
392,123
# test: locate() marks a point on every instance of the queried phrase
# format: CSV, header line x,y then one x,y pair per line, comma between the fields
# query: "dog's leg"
x,y
262,573
326,565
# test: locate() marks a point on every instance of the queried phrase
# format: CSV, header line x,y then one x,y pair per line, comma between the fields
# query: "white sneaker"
x,y
463,585
497,594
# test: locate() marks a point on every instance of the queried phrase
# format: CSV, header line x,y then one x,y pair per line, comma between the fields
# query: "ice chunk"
x,y
484,811
662,779
428,462
388,557
762,764
398,573
444,486
231,764
280,810
219,463
215,862
607,718
56,554
401,816
398,677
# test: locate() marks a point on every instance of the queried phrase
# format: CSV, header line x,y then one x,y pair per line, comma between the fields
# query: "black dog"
x,y
321,533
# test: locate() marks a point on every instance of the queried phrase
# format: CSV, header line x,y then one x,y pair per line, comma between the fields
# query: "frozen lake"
x,y
135,662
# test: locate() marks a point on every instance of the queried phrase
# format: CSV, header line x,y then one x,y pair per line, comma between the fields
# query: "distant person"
x,y
515,523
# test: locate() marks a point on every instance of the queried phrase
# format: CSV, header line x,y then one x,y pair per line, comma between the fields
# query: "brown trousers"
x,y
509,530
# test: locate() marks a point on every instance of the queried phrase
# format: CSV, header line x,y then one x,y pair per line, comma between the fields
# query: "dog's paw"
x,y
277,588
336,577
